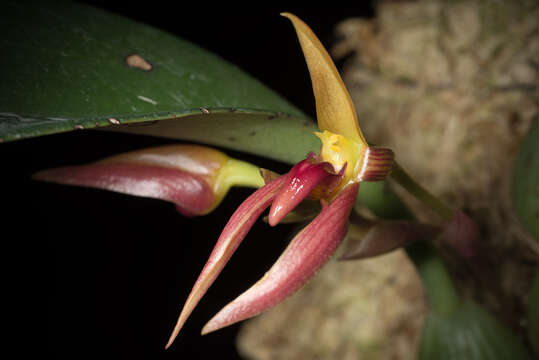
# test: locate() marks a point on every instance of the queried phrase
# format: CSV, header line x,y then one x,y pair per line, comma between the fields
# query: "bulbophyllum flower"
x,y
194,178
333,177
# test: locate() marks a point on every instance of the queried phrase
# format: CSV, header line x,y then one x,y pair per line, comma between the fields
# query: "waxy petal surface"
x,y
235,230
195,178
300,181
191,193
335,110
194,159
306,253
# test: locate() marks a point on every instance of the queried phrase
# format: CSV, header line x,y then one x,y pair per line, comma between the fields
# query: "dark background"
x,y
102,274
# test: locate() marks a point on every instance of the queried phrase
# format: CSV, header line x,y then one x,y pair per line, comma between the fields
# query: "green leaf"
x,y
471,333
533,313
67,66
276,136
526,181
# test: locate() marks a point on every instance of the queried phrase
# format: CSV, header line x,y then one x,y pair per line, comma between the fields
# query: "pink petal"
x,y
301,180
307,252
191,193
235,230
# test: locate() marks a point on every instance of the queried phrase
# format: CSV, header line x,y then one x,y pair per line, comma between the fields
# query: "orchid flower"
x,y
333,177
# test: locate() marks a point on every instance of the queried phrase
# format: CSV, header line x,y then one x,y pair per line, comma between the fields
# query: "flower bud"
x,y
194,178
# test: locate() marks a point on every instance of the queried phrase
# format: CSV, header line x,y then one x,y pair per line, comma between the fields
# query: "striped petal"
x,y
305,254
334,108
235,230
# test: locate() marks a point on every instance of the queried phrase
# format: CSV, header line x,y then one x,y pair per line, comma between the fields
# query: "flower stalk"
x,y
413,187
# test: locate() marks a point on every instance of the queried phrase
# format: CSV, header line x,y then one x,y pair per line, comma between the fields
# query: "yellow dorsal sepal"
x,y
334,108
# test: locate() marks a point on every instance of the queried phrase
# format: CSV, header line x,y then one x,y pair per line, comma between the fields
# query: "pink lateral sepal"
x,y
306,253
235,230
301,180
190,193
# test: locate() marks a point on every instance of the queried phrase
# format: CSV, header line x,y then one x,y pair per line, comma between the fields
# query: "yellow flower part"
x,y
342,140
335,111
363,163
340,150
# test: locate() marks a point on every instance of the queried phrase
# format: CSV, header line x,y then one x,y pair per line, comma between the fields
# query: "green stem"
x,y
406,181
241,173
381,201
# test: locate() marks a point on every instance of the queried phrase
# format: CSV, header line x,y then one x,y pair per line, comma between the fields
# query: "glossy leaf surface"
x,y
67,66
